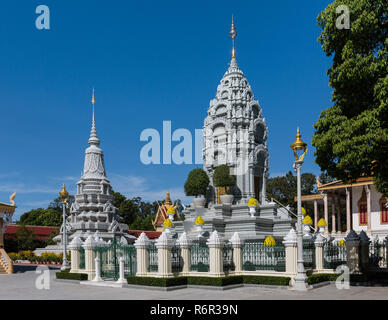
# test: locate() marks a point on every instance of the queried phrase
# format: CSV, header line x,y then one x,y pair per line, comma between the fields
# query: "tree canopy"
x,y
351,136
222,177
284,188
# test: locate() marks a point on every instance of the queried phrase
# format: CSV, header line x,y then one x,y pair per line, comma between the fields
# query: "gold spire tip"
x,y
233,35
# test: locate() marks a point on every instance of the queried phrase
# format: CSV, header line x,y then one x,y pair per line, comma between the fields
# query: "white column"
x,y
74,247
264,187
326,211
290,244
316,214
185,245
237,244
368,207
142,255
339,227
333,228
215,245
348,212
319,241
164,245
90,246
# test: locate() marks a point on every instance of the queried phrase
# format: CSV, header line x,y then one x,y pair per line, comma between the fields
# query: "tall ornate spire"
x,y
93,139
233,35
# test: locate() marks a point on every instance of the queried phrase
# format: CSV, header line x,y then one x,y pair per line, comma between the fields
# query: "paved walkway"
x,y
21,285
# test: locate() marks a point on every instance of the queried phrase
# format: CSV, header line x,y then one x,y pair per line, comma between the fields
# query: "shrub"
x,y
267,280
321,277
157,282
222,177
197,183
14,256
71,276
218,282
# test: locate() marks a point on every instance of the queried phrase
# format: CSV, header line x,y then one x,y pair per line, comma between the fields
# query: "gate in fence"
x,y
227,254
333,255
199,257
82,258
257,256
153,258
377,255
309,254
109,256
176,259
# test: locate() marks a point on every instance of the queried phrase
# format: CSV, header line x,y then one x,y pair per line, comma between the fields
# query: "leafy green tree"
x,y
351,137
41,217
197,183
56,204
24,238
284,188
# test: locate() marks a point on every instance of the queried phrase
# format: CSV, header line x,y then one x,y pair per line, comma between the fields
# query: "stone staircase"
x,y
5,262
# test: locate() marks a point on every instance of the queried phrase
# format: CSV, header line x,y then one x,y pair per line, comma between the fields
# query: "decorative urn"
x,y
199,223
252,205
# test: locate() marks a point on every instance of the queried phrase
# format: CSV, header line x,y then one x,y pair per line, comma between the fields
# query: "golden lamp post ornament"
x,y
64,196
299,147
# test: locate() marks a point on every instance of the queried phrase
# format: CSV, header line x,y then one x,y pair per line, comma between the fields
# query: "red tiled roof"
x,y
149,234
40,232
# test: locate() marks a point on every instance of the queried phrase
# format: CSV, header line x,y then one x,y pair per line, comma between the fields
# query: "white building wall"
x,y
375,210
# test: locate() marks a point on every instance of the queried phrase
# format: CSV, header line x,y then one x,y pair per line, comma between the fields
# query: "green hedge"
x,y
208,281
71,276
321,277
157,282
217,282
268,280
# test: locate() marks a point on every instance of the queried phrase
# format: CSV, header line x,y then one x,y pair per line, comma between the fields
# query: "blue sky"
x,y
148,62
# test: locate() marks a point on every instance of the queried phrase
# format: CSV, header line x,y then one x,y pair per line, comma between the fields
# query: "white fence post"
x,y
237,244
352,242
89,247
185,245
290,244
319,241
164,245
74,247
215,245
142,255
97,277
121,271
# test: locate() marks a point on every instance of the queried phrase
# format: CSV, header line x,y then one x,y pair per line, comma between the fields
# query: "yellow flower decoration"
x,y
170,210
167,223
269,241
252,202
303,210
341,243
199,221
307,220
322,223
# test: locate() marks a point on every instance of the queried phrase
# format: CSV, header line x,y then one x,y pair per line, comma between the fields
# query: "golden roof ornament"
x,y
168,200
298,146
233,35
12,197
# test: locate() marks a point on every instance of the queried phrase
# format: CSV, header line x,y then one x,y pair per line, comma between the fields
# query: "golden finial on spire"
x,y
93,102
233,35
168,200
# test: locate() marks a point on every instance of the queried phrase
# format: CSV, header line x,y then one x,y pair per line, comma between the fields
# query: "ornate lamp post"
x,y
300,149
64,196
